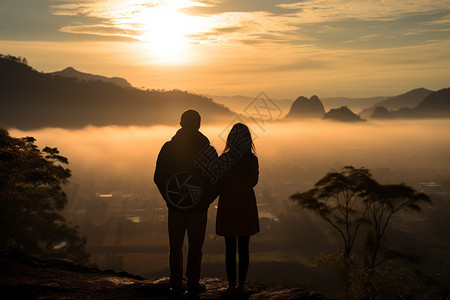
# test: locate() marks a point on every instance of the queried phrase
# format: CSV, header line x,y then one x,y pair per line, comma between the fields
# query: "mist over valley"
x,y
113,199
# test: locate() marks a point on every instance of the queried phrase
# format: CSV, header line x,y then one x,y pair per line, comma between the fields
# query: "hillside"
x,y
435,105
407,100
30,99
71,72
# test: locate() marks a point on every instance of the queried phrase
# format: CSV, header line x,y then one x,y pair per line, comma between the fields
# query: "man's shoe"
x,y
240,291
196,289
177,292
230,291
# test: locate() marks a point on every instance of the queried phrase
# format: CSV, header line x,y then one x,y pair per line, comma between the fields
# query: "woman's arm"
x,y
255,173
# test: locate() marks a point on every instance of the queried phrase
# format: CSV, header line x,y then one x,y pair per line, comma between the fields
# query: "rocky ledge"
x,y
26,277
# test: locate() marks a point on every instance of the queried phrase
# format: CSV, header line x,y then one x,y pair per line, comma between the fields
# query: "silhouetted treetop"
x,y
31,199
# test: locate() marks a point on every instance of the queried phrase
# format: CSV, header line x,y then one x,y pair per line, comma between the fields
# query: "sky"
x,y
286,48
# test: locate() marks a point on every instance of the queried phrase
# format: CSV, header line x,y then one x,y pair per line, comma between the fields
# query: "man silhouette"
x,y
188,194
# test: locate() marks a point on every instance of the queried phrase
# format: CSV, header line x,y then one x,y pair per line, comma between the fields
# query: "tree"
x,y
339,199
352,200
31,200
384,202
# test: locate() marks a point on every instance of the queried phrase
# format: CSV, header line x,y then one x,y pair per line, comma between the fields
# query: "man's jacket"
x,y
183,172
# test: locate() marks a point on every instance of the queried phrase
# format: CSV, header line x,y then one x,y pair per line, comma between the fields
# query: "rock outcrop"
x,y
25,277
306,108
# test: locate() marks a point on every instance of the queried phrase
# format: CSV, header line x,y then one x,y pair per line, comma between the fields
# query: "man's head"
x,y
190,120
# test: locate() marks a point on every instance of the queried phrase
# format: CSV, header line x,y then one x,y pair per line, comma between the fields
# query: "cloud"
x,y
227,23
338,23
135,18
250,28
325,10
364,38
435,25
100,29
444,21
427,31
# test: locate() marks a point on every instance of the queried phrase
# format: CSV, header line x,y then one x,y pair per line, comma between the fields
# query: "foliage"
x,y
390,281
349,201
385,201
31,199
16,59
339,199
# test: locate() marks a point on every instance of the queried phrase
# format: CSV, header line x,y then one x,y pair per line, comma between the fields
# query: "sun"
x,y
166,30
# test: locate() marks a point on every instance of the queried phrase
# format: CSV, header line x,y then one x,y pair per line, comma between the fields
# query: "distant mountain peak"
x,y
421,89
73,73
409,99
343,114
302,98
306,108
380,112
436,104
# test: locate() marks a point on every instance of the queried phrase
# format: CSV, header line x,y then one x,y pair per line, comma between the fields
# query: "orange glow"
x,y
160,25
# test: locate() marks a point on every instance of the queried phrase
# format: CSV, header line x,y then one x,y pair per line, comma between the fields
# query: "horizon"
x,y
288,49
71,68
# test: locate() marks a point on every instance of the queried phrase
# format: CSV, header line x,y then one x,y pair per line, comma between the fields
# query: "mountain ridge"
x,y
72,72
436,104
342,114
57,101
409,99
355,104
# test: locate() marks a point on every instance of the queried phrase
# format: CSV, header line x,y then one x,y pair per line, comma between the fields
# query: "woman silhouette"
x,y
237,213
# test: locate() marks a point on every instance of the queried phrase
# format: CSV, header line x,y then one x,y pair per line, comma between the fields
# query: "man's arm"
x,y
160,177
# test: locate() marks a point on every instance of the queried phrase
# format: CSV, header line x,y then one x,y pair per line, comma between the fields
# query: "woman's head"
x,y
239,140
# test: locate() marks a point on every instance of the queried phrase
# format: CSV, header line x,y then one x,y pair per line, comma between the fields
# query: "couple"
x,y
190,175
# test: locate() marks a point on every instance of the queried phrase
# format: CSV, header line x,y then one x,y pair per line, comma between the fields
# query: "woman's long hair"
x,y
239,141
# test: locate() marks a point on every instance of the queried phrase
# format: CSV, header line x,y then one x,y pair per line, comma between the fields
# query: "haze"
x,y
114,200
314,147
